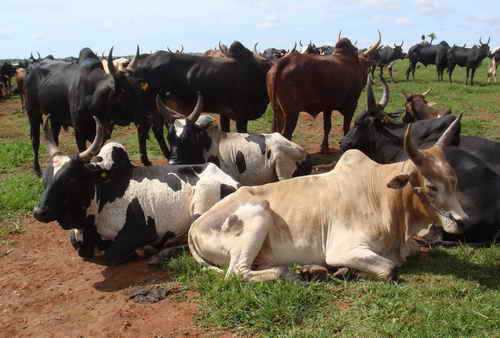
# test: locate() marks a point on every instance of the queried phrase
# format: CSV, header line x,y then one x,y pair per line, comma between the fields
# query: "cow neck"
x,y
215,134
114,186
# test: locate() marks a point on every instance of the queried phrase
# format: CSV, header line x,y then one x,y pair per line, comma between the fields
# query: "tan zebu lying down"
x,y
361,215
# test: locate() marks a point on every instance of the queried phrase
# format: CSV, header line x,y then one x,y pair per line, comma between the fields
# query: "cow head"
x,y
69,183
187,136
484,48
119,97
360,136
433,181
414,104
398,51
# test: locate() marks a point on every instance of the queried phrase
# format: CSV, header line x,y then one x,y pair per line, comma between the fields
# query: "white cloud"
x,y
107,26
432,7
38,36
403,21
383,4
269,21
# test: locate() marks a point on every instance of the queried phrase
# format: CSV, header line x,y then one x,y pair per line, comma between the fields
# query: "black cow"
x,y
273,54
382,140
386,56
326,50
73,92
428,54
7,72
233,86
470,58
100,193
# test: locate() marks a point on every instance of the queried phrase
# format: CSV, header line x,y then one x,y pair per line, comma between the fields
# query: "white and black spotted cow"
x,y
251,159
120,207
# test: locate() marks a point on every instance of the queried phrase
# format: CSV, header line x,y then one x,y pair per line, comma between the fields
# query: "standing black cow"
x,y
7,72
233,86
470,58
72,92
270,54
386,56
428,54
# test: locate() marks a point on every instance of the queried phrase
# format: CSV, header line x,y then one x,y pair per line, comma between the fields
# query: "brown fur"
x,y
417,108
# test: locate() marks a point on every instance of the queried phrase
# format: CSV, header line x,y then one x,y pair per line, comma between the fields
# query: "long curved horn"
x,y
489,39
39,57
375,46
480,40
402,43
427,92
339,35
370,97
300,43
294,49
222,48
49,137
182,49
96,145
385,96
169,50
167,112
255,49
416,156
133,64
193,117
449,133
111,65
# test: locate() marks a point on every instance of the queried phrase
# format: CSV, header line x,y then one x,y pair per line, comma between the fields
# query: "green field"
x,y
449,292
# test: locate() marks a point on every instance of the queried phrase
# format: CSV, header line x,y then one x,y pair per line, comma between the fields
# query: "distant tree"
x,y
432,36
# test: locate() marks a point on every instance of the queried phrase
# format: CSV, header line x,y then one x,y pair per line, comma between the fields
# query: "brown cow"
x,y
417,108
20,76
314,84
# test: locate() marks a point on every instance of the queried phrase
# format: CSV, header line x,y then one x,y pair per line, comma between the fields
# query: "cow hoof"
x,y
146,161
76,239
311,273
393,276
345,274
37,171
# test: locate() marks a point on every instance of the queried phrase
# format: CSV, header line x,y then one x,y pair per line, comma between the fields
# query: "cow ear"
x,y
398,182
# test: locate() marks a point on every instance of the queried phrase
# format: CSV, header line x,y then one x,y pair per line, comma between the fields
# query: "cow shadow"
x,y
137,273
443,263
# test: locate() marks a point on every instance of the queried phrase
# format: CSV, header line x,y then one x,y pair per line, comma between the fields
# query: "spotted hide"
x,y
128,206
251,159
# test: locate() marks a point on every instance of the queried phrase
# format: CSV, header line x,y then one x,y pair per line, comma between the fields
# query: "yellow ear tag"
x,y
104,175
144,86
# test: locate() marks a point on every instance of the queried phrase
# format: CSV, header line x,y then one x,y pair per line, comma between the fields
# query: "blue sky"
x,y
63,27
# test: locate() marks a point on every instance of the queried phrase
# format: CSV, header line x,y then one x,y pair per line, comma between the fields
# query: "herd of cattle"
x,y
248,201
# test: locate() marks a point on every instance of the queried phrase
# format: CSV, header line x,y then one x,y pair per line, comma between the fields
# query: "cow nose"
x,y
40,214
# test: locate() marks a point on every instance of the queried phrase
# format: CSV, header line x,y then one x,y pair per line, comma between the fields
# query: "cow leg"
x,y
242,126
381,70
56,130
142,134
473,72
391,72
451,68
35,142
225,123
160,138
364,260
327,127
373,71
81,142
467,76
290,124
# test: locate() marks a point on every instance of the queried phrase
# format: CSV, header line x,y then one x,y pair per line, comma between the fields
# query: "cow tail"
x,y
278,111
193,248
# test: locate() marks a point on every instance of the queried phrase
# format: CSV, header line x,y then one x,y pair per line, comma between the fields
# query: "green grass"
x,y
18,194
14,155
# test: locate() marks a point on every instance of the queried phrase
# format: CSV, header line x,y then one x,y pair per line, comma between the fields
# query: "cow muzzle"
x,y
453,223
42,215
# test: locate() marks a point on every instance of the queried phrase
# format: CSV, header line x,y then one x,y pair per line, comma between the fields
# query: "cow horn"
x,y
427,92
402,43
182,49
255,49
31,56
375,46
385,96
49,137
169,50
480,40
193,117
489,39
449,133
416,156
223,48
96,145
133,64
339,35
167,112
39,57
111,65
300,43
370,97
291,50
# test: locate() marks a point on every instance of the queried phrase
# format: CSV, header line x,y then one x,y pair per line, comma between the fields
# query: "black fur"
x,y
240,162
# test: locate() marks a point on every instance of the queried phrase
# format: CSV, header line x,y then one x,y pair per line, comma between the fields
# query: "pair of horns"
x,y
131,66
487,43
172,115
178,51
401,45
424,94
418,156
84,156
223,48
372,106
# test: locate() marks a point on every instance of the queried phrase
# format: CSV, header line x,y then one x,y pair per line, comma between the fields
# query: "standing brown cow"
x,y
20,75
314,84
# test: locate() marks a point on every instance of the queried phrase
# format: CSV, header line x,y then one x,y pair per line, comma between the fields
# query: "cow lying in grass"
x,y
128,207
251,159
361,215
418,108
